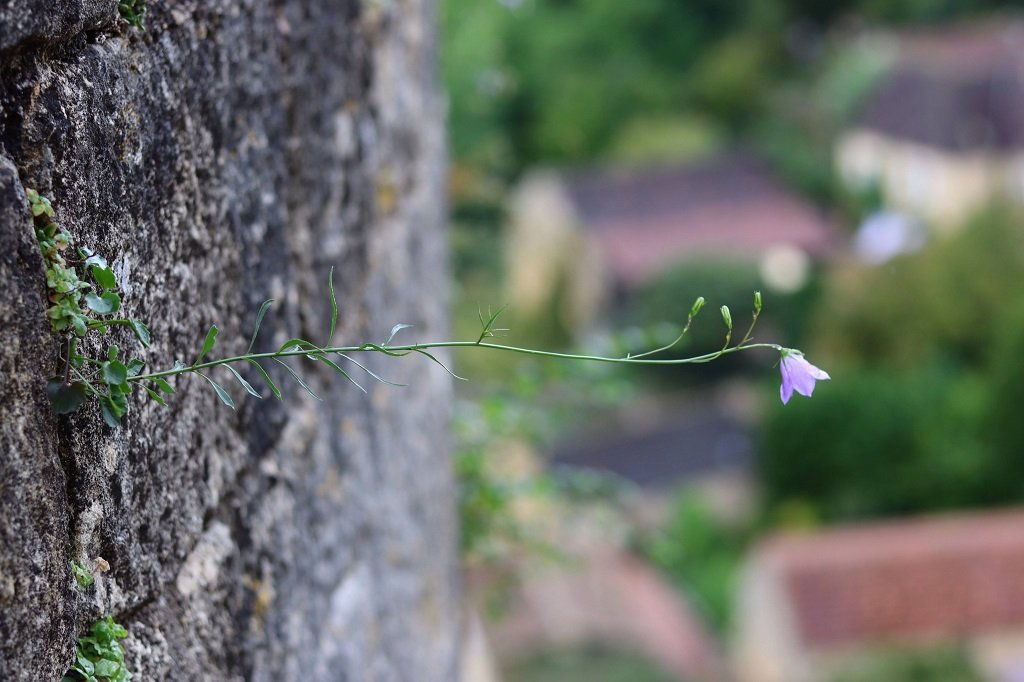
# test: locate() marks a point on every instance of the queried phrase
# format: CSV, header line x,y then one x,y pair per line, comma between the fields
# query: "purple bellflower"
x,y
798,375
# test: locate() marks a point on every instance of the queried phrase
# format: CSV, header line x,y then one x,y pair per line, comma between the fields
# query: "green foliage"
x,y
528,408
735,75
878,444
701,554
911,665
133,11
666,138
926,350
83,377
548,80
62,280
99,657
1002,377
82,575
944,303
585,665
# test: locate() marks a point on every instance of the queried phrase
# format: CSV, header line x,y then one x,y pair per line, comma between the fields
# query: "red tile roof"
x,y
955,87
933,578
648,219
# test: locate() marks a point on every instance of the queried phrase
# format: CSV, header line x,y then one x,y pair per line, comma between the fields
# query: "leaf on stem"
x,y
394,330
104,276
266,378
367,370
259,320
339,370
211,339
105,304
224,396
155,396
65,398
297,344
334,305
114,373
141,332
245,384
163,386
439,363
297,378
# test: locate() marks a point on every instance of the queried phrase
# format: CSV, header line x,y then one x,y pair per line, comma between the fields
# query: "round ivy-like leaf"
x,y
114,372
65,398
106,304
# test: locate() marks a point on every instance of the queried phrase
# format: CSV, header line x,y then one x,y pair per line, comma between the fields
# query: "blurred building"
x,y
809,602
942,133
591,233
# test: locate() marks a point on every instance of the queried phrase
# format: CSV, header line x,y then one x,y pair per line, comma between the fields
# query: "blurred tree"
x,y
944,303
926,352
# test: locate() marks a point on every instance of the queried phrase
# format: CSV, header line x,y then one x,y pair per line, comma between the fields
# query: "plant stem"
x,y
416,347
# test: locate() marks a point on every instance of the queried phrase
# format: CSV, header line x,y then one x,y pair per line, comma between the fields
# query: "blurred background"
x,y
861,163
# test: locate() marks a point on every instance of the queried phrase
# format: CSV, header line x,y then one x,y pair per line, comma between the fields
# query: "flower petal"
x,y
798,375
786,390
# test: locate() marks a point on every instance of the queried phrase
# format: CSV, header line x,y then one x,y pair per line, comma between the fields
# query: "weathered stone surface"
x,y
234,151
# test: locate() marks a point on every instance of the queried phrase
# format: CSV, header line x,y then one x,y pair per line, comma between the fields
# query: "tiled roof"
x,y
957,88
646,219
923,579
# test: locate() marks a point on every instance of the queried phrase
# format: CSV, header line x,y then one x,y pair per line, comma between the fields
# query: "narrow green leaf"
x,y
382,349
104,277
297,343
367,370
245,384
141,332
211,339
135,367
224,396
65,398
113,372
334,306
297,378
155,396
266,378
163,386
394,330
441,364
259,320
326,360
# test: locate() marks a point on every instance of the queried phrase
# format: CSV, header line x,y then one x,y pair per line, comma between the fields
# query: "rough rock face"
x,y
232,151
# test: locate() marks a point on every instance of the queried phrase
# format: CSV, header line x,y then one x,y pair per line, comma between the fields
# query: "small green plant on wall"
x,y
132,11
99,657
83,306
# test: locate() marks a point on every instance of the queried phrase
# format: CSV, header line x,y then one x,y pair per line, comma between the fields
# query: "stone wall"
x,y
232,151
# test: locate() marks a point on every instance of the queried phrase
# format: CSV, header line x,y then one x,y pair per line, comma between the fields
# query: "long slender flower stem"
x,y
418,347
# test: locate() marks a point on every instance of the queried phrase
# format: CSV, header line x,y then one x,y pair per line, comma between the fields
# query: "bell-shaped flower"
x,y
798,375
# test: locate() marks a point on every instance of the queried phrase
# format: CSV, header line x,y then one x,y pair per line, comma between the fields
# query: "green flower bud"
x,y
697,305
727,316
757,301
